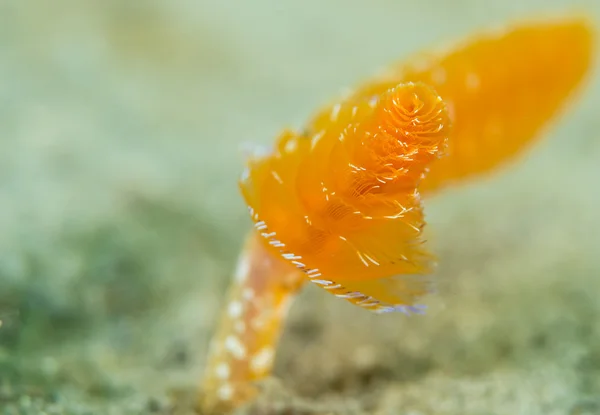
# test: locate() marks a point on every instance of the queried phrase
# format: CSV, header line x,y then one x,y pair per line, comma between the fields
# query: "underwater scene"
x,y
300,207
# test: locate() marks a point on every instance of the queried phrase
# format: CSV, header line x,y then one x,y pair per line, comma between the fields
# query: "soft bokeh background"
x,y
120,131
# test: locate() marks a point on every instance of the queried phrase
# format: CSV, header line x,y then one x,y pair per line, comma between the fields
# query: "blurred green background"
x,y
121,124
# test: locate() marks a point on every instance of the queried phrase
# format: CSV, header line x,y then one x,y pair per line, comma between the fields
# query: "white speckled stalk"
x,y
243,348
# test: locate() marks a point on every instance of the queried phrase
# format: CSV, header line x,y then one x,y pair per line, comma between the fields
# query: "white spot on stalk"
x,y
242,270
222,371
262,360
225,392
235,347
235,309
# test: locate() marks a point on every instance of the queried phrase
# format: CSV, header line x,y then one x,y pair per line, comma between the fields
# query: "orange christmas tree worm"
x,y
340,204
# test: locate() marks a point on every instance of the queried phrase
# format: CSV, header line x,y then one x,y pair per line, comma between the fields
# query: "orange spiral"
x,y
343,205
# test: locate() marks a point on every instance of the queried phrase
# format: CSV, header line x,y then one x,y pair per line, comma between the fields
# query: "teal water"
x,y
120,132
